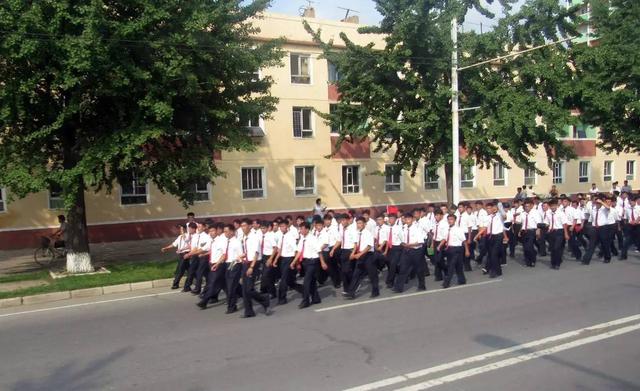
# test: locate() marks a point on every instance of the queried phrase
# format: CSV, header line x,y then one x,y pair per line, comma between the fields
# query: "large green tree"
x,y
91,89
609,74
400,95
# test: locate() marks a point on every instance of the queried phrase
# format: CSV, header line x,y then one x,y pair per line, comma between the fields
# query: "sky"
x,y
329,9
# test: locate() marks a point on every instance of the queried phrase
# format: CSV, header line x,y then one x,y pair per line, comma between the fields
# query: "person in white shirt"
x,y
330,252
573,224
455,247
439,234
380,235
412,258
514,230
473,227
594,189
529,220
234,258
393,250
615,187
603,224
363,260
198,258
269,250
347,233
286,253
309,255
493,228
480,214
370,224
182,244
558,232
631,227
251,256
217,265
319,209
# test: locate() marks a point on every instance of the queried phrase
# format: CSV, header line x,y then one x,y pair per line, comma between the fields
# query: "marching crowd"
x,y
349,247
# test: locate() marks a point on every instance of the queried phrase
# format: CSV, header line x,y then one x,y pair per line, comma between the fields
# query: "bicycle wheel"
x,y
43,256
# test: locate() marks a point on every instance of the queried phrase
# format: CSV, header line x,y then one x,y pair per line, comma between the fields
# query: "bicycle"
x,y
47,253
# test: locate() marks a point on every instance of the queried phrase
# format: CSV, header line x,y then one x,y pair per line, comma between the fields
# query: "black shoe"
x,y
350,296
245,316
303,305
202,305
195,292
374,294
445,286
467,268
421,288
267,309
231,310
585,263
282,302
396,291
174,287
316,302
186,289
607,260
621,258
438,279
213,300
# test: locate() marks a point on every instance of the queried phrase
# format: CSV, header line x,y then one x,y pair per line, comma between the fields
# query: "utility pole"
x,y
455,135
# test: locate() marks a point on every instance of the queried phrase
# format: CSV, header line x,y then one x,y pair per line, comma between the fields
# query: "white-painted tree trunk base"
x,y
79,263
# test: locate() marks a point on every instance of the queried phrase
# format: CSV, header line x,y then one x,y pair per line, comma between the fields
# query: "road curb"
x,y
85,292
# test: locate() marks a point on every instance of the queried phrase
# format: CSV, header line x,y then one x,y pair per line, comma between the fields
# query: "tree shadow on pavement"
x,y
75,376
498,342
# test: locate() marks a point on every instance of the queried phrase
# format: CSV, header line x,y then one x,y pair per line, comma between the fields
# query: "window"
x,y
55,197
631,169
431,178
558,172
607,171
300,68
302,122
529,176
202,190
305,180
3,198
134,189
253,121
499,174
350,179
334,75
253,182
467,177
335,127
392,178
583,172
255,75
579,131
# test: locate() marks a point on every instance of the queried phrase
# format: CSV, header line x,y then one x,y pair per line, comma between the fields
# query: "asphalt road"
x,y
467,338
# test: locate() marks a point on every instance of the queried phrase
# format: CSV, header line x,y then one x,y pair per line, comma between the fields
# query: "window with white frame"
x,y
558,172
335,127
55,197
499,174
607,171
201,189
334,74
302,119
584,169
255,75
253,121
631,170
529,176
305,180
253,182
431,178
300,68
3,200
467,176
579,131
392,178
350,179
134,189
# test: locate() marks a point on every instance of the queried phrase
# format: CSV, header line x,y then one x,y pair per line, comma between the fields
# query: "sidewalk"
x,y
103,254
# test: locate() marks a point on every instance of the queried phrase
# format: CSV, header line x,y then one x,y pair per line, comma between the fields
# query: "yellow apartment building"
x,y
290,167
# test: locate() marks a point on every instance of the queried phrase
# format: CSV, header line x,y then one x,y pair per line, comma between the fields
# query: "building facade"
x,y
291,166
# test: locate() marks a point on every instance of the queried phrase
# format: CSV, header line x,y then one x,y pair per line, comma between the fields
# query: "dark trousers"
x,y
365,266
631,237
619,235
603,236
473,244
483,249
198,269
556,246
310,286
232,276
249,293
287,279
269,277
574,245
182,267
439,264
393,259
528,246
514,233
346,268
333,269
194,264
541,243
454,265
411,260
217,282
494,255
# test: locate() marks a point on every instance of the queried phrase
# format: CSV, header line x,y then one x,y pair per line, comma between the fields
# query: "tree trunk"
x,y
448,178
78,256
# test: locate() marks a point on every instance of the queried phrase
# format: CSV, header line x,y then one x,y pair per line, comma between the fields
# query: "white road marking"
x,y
519,359
495,353
396,297
86,304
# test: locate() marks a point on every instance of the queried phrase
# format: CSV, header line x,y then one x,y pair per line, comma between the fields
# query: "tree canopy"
x,y
90,90
402,92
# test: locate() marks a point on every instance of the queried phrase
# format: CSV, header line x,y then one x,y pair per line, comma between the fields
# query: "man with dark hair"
x,y
529,220
269,248
286,253
347,234
603,223
199,258
331,252
182,244
493,228
60,236
556,220
631,227
218,263
309,254
412,258
439,234
394,249
363,260
251,255
455,247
